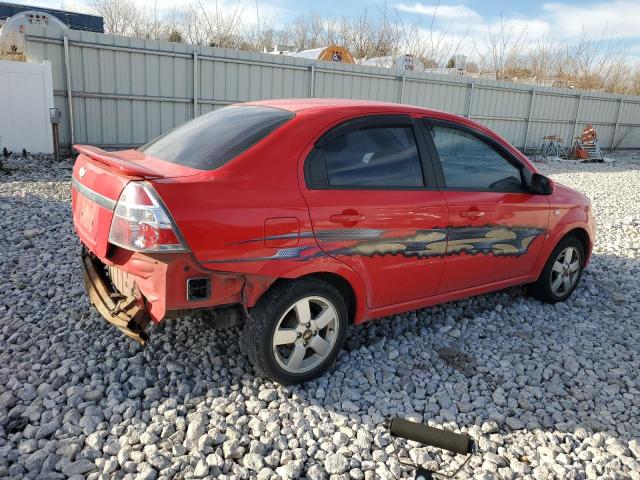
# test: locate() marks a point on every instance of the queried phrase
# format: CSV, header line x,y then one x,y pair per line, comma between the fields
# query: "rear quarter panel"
x,y
225,215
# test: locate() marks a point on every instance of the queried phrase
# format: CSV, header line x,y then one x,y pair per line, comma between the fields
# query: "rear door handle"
x,y
472,213
347,218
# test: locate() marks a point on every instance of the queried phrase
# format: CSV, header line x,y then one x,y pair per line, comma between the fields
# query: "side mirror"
x,y
541,185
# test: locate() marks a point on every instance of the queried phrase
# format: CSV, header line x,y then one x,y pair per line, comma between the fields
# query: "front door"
x,y
373,206
496,226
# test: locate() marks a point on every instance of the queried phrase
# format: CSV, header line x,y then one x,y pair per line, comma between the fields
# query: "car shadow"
x,y
502,363
562,367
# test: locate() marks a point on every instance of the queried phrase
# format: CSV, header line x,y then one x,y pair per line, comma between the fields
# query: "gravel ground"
x,y
547,391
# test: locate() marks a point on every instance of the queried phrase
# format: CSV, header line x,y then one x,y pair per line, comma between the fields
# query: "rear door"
x,y
371,194
496,225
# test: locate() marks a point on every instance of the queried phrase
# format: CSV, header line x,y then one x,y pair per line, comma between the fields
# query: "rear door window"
x,y
380,156
211,140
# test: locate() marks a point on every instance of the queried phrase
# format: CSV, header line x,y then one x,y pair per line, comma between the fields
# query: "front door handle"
x,y
472,214
347,218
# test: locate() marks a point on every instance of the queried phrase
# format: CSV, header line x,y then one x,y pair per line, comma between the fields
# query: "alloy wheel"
x,y
305,335
565,271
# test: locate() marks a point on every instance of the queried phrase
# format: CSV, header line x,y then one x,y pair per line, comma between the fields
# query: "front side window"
x,y
375,156
211,140
470,163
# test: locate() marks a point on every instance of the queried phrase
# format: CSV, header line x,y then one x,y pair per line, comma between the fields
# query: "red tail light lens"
x,y
141,222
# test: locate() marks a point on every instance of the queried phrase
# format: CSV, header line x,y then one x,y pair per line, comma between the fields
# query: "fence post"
x,y
470,101
615,129
526,132
195,85
575,123
69,95
312,85
402,89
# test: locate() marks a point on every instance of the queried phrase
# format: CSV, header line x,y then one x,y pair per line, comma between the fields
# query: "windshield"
x,y
211,140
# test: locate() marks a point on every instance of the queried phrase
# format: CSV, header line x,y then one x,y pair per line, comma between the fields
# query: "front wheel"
x,y
295,331
562,271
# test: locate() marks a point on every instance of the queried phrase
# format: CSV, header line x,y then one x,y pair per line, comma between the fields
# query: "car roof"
x,y
299,104
316,106
320,106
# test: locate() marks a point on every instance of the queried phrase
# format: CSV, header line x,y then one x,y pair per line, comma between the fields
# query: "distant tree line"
x,y
504,54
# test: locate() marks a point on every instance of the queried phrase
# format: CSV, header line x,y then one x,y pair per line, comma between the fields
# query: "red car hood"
x,y
567,195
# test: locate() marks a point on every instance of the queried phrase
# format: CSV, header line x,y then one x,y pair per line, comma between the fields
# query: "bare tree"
x,y
175,36
311,31
586,63
432,46
317,31
190,26
118,15
259,35
221,27
633,81
541,61
150,24
299,33
366,37
595,64
503,48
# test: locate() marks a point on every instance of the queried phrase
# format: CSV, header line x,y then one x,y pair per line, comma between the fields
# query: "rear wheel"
x,y
295,331
562,271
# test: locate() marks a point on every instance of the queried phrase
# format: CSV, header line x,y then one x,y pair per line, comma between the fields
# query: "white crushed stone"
x,y
547,391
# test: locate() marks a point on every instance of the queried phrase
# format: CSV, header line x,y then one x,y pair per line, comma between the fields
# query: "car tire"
x,y
295,330
561,273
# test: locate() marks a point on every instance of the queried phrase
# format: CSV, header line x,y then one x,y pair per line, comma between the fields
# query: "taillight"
x,y
140,222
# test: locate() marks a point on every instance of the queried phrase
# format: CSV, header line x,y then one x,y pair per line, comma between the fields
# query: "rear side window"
x,y
381,156
468,162
211,140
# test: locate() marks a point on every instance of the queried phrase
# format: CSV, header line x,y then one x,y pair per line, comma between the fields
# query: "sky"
x,y
469,20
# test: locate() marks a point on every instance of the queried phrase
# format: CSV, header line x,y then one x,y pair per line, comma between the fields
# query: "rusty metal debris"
x,y
586,147
551,146
124,312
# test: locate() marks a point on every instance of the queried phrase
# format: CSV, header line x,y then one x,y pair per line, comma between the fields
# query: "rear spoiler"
x,y
118,161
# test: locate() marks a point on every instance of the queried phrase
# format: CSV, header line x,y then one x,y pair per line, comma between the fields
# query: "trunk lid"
x,y
98,180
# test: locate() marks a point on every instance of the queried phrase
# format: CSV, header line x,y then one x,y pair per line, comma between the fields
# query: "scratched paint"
x,y
488,240
513,241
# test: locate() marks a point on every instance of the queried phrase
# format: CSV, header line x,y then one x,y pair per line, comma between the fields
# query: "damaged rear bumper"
x,y
124,312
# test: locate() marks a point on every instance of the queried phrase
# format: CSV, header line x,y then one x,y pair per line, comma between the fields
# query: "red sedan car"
x,y
299,217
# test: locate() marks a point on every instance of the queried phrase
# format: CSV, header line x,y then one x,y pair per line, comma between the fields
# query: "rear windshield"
x,y
211,140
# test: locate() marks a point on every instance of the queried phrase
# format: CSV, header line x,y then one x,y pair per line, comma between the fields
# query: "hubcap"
x,y
565,271
305,335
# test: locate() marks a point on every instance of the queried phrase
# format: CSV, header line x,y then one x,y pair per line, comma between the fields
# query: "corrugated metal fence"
x,y
123,92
